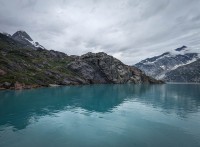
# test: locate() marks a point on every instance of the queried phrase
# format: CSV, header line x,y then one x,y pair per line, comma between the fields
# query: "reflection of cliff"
x,y
178,98
17,107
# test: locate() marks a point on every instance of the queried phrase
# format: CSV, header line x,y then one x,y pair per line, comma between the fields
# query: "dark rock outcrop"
x,y
102,68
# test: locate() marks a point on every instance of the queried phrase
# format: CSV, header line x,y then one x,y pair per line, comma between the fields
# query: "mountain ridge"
x,y
159,66
22,66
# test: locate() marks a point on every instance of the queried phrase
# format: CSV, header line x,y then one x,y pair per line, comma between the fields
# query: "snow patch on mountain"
x,y
190,61
35,44
173,53
158,66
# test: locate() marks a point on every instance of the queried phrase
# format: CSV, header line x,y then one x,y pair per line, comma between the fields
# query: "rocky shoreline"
x,y
17,86
22,86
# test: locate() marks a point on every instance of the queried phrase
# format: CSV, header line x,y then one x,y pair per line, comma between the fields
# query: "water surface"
x,y
101,115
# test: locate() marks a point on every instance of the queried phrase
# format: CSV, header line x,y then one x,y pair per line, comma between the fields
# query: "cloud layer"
x,y
131,30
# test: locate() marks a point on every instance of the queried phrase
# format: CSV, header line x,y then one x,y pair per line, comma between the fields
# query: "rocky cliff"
x,y
102,68
21,67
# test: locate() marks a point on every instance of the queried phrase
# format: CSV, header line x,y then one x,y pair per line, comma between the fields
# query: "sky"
x,y
130,30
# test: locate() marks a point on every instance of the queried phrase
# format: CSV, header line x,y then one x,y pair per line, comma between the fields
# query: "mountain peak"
x,y
181,48
21,35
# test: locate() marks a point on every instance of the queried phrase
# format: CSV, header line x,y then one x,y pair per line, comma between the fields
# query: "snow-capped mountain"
x,y
158,66
24,38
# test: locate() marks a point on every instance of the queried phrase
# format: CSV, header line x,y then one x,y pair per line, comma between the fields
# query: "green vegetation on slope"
x,y
30,66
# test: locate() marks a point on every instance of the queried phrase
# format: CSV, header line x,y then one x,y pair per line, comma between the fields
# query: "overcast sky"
x,y
130,30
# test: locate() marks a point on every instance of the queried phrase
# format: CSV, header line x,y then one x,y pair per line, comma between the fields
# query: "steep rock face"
x,y
102,68
23,67
186,73
87,72
159,66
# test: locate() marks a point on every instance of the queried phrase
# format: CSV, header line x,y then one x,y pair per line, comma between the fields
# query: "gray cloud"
x,y
129,30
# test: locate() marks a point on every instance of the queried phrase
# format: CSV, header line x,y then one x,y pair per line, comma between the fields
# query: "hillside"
x,y
26,66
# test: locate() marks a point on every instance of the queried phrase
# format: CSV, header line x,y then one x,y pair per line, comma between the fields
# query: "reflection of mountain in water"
x,y
179,98
17,107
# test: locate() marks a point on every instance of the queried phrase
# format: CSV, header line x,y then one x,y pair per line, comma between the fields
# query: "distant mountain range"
x,y
178,65
26,64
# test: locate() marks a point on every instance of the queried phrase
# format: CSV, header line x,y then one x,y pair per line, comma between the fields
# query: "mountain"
x,y
186,73
24,38
22,66
159,66
8,35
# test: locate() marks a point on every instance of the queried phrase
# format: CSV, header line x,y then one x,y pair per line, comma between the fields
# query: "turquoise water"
x,y
101,115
